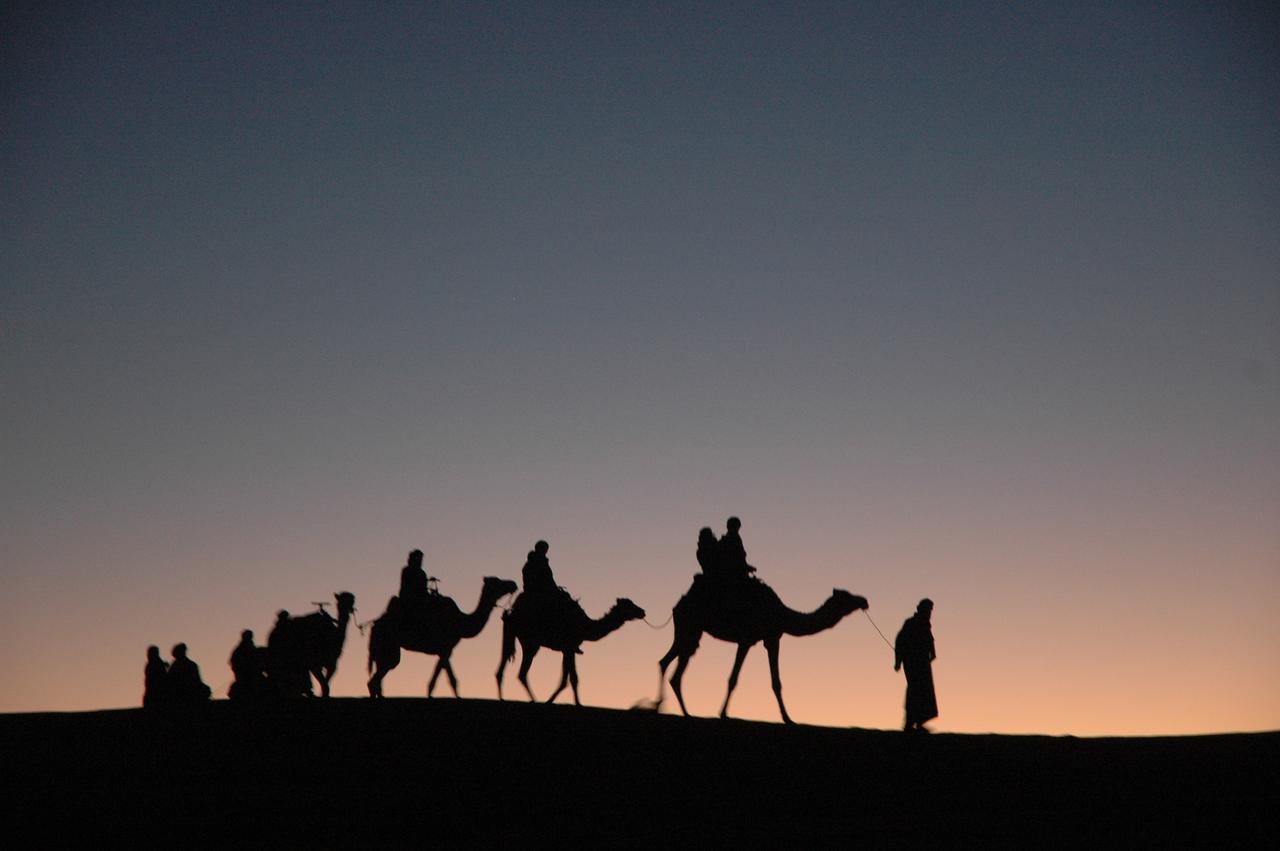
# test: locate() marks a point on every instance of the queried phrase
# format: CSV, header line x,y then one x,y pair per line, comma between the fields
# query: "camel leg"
x,y
322,680
502,666
771,645
662,672
743,649
683,646
564,676
573,676
525,663
676,678
448,672
435,675
380,671
382,664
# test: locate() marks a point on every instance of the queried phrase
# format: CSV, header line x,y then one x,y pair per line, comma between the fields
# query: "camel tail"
x,y
508,637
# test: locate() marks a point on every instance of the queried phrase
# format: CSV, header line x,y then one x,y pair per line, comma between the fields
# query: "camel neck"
x,y
807,623
473,622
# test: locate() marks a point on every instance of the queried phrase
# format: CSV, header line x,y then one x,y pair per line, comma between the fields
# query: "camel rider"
x,y
536,572
184,683
248,668
733,555
155,678
413,582
708,553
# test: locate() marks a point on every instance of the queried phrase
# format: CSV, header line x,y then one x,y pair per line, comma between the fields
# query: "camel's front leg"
x,y
565,664
733,677
530,650
573,677
448,672
771,645
435,675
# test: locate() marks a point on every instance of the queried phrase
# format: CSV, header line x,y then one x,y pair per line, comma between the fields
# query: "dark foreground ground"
x,y
398,772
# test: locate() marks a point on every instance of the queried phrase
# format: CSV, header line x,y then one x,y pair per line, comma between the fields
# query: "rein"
x,y
877,629
662,625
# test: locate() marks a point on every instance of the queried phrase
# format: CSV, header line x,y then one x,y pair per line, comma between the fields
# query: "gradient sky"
x,y
978,302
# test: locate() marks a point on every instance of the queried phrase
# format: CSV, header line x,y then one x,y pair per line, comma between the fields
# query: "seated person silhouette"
x,y
540,584
248,667
413,582
708,553
154,678
733,555
536,573
183,681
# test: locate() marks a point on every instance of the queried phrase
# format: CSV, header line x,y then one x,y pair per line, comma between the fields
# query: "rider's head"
x,y
179,650
541,548
734,524
415,558
925,606
247,635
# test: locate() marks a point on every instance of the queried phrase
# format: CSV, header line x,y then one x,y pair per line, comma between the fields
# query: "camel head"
x,y
628,610
346,603
847,603
494,588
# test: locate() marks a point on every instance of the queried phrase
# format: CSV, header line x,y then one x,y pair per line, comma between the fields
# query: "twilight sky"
x,y
953,300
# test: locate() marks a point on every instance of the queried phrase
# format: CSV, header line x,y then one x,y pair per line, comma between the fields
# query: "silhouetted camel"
x,y
315,641
744,612
435,629
557,623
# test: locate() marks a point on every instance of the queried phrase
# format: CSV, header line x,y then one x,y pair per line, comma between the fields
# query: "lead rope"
x,y
662,625
877,629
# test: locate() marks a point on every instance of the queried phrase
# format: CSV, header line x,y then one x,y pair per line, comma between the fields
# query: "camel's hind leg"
x,y
382,665
573,677
565,665
530,650
771,645
743,649
375,682
662,672
683,645
676,678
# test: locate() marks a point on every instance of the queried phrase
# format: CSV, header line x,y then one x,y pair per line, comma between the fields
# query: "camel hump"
x,y
732,591
439,605
552,609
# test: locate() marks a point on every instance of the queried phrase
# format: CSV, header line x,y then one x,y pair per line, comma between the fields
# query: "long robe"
x,y
914,648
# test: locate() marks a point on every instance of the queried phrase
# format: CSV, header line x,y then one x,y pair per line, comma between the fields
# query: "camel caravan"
x,y
726,601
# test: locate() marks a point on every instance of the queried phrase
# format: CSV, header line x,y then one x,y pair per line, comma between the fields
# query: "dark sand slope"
x,y
405,771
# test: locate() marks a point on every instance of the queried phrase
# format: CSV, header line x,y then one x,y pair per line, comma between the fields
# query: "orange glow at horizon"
x,y
1053,660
